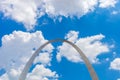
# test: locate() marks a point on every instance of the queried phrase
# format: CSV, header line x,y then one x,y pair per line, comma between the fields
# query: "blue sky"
x,y
93,25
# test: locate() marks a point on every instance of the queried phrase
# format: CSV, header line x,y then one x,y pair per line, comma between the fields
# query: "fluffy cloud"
x,y
38,73
17,48
91,46
24,11
69,8
43,58
107,3
28,11
115,64
41,73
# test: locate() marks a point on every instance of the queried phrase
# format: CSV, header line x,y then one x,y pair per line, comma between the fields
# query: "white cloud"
x,y
43,58
38,73
91,46
4,77
69,8
17,48
28,11
42,73
107,3
115,64
12,74
71,34
24,11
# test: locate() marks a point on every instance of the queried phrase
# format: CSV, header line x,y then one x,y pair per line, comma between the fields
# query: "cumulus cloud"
x,y
28,11
107,3
16,50
24,11
41,73
91,46
19,46
115,64
43,58
69,8
38,73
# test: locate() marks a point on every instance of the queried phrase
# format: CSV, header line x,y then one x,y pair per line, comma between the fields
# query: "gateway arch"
x,y
85,59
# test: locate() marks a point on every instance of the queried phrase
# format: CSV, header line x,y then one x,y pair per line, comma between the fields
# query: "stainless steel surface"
x,y
85,59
